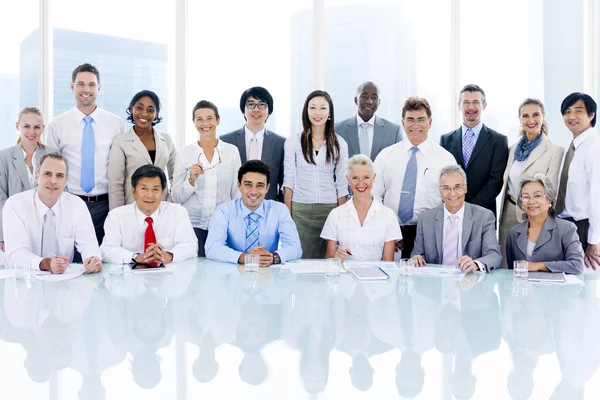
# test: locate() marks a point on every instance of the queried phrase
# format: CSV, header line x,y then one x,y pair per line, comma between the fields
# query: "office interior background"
x,y
187,50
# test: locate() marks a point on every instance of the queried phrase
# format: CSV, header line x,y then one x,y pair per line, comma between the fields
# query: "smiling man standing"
x,y
252,225
367,133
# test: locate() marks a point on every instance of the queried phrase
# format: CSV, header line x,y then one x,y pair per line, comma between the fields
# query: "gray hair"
x,y
548,188
56,156
360,159
453,169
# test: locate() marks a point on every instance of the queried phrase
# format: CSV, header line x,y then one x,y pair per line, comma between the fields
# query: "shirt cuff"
x,y
481,266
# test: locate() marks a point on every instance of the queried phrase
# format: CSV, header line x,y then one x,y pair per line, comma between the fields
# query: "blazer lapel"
x,y
138,146
439,230
456,147
161,149
467,226
545,234
535,154
353,142
267,144
484,136
240,142
20,166
522,238
378,135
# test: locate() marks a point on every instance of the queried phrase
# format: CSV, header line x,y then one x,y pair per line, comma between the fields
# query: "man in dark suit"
x,y
255,142
479,150
367,133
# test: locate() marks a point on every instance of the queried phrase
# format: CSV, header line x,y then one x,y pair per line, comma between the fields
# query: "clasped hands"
x,y
465,263
265,256
155,253
59,264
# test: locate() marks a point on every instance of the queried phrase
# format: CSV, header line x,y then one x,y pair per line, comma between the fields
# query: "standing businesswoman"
x,y
533,153
315,164
205,172
141,145
18,163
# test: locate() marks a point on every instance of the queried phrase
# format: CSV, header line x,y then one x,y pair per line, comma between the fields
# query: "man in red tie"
x,y
149,231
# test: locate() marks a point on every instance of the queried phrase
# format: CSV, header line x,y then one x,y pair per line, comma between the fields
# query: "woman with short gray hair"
x,y
546,242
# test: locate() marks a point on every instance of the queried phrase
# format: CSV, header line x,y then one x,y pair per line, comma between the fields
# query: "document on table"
x,y
439,272
569,280
72,271
312,267
376,264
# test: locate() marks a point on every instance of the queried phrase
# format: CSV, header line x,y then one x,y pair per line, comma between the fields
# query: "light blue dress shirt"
x,y
227,231
476,130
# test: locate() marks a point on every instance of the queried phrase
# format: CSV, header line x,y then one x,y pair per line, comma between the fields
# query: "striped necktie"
x,y
252,231
450,241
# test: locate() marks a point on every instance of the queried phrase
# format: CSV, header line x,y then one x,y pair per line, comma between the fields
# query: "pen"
x,y
347,252
92,266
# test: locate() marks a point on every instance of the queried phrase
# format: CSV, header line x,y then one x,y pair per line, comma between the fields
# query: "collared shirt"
x,y
65,133
31,172
323,183
23,216
390,166
514,177
370,130
217,185
365,242
476,130
583,187
260,135
226,239
125,229
461,219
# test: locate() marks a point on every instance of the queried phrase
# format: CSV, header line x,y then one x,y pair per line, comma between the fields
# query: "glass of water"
x,y
22,270
118,268
406,267
520,270
333,267
251,263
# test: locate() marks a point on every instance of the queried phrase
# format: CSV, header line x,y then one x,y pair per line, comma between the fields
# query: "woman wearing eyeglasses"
x,y
549,244
533,153
142,145
205,172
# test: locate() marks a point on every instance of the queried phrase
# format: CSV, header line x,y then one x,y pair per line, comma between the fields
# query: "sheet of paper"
x,y
72,271
439,272
569,280
7,273
376,264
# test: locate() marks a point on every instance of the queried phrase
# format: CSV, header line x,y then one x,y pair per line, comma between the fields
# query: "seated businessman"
x,y
252,225
149,231
457,233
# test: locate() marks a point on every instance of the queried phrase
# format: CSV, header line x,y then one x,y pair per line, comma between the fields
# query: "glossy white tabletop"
x,y
206,331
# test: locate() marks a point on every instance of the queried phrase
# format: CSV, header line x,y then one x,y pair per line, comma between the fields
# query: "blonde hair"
x,y
360,159
30,110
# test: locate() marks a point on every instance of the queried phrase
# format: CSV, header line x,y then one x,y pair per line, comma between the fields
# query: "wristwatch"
x,y
276,258
134,257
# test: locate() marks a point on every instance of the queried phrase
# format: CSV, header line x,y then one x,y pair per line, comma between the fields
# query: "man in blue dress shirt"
x,y
252,225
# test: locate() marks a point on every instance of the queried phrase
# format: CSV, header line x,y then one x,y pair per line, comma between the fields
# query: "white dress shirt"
x,y
217,185
370,131
366,242
125,229
65,133
390,166
583,187
514,177
23,216
323,183
260,135
31,172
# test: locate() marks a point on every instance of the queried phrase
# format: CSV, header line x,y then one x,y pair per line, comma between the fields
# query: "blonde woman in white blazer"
x,y
533,153
141,145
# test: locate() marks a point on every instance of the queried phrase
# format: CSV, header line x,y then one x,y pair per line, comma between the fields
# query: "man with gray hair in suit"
x,y
457,233
367,133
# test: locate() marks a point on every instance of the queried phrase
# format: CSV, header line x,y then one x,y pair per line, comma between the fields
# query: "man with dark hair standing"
x,y
479,150
367,133
84,135
255,142
579,188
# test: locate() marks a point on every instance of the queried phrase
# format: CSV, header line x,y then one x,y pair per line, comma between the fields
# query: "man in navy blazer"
x,y
479,150
255,142
367,133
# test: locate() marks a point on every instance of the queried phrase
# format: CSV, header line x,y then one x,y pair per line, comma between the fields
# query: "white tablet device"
x,y
369,274
540,276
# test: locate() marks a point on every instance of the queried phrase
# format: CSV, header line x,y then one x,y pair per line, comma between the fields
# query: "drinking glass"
x,y
520,270
251,263
406,267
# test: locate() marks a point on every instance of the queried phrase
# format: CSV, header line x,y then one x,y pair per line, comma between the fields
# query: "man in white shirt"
x,y
407,172
84,135
45,224
579,188
149,231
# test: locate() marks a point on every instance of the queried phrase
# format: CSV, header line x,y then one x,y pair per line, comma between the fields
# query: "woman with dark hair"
x,y
315,165
141,145
533,153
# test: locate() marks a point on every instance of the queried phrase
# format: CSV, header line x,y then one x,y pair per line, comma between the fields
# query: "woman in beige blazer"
x,y
533,153
141,145
18,163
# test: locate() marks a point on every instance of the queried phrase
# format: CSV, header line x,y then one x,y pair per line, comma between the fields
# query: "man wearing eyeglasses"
x,y
255,142
457,233
367,133
479,150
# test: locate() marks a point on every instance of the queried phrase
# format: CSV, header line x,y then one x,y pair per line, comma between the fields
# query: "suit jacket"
x,y
127,154
545,158
13,173
385,134
486,166
558,246
272,154
478,236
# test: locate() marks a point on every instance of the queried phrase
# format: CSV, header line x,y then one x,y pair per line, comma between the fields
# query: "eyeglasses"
x,y
251,105
536,198
459,189
467,103
420,120
211,167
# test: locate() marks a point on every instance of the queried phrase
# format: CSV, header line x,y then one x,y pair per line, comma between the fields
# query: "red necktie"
x,y
149,238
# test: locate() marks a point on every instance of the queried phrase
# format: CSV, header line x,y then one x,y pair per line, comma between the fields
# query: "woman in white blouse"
x,y
362,229
314,180
18,163
533,153
205,172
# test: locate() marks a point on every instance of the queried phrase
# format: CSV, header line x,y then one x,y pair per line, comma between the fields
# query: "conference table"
x,y
206,330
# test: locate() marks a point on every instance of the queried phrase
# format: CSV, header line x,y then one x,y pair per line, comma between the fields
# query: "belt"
x,y
511,200
93,199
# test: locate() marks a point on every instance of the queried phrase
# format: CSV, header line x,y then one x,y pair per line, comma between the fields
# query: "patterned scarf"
x,y
524,148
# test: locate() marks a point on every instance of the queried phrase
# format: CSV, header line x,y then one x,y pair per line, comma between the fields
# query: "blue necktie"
x,y
87,156
409,186
252,231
